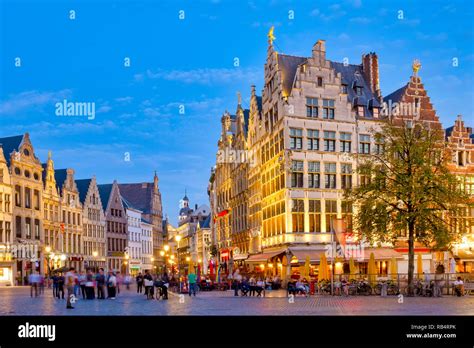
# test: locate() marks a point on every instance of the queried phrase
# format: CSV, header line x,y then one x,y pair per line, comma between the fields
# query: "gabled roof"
x,y
127,204
288,66
206,223
60,175
396,96
146,221
449,131
352,76
259,103
83,188
10,144
138,195
104,192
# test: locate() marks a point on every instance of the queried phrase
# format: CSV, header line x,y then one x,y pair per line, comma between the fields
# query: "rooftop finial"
x,y
49,154
270,35
239,98
416,66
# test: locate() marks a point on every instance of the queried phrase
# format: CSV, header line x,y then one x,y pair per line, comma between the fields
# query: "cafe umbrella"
x,y
352,268
419,266
323,268
306,267
372,269
393,268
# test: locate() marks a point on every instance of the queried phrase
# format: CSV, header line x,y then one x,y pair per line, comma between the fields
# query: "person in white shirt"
x,y
459,287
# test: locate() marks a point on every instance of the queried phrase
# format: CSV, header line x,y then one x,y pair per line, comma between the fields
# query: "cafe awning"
x,y
381,253
264,257
465,255
300,255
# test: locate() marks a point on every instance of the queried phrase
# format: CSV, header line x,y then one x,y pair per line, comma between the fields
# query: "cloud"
x,y
125,100
334,12
32,100
343,36
361,20
104,109
206,76
435,37
210,106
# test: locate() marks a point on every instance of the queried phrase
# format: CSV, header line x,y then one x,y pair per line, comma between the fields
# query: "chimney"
x,y
319,52
370,67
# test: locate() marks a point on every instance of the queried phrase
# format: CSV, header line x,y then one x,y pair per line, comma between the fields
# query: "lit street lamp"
x,y
178,238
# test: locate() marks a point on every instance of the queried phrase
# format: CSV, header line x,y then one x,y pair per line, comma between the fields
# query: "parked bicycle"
x,y
361,287
392,288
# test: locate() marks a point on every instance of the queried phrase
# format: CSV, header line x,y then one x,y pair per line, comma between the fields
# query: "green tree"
x,y
407,189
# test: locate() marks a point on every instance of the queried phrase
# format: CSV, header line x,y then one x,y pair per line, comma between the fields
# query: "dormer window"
x,y
375,112
358,90
344,89
360,111
26,152
320,81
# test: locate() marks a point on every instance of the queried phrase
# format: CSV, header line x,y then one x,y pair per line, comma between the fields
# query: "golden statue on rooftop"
x,y
416,66
270,35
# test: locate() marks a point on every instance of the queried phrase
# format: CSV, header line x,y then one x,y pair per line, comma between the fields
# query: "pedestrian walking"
x,y
111,285
192,283
89,286
119,278
61,286
100,280
33,279
55,286
82,284
149,285
70,283
127,281
139,280
41,283
166,285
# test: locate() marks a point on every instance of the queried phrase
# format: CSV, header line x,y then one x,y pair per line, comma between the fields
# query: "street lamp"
x,y
178,238
94,255
167,247
47,249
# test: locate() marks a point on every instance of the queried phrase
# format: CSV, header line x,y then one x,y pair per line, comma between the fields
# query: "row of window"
x,y
329,141
31,228
67,242
314,175
29,201
327,108
26,173
5,203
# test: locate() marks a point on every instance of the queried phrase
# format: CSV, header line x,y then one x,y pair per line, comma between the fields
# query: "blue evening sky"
x,y
190,62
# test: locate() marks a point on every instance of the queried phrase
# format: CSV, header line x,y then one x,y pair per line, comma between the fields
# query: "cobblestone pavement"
x,y
17,301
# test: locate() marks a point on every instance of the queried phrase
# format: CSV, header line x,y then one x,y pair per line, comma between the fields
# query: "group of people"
x,y
147,283
248,287
87,284
36,282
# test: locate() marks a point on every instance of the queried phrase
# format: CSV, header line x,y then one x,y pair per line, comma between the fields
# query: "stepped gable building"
x,y
116,226
146,197
94,239
314,120
27,205
53,236
6,234
413,102
71,219
460,141
133,253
